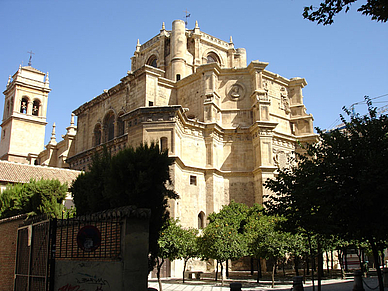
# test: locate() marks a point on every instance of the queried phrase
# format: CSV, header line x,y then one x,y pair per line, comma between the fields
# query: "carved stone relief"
x,y
285,101
265,85
282,159
235,92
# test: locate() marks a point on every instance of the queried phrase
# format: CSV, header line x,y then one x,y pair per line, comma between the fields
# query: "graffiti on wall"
x,y
88,276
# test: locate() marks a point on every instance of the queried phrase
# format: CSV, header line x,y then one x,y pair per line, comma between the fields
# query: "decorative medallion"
x,y
235,92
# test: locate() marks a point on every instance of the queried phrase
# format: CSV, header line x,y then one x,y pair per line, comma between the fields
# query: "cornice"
x,y
23,117
256,65
276,78
178,161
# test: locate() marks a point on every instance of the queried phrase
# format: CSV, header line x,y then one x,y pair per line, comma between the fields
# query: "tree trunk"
x,y
296,265
382,256
376,257
320,267
345,255
312,271
312,263
307,260
222,273
273,273
340,259
227,269
258,270
217,271
327,262
184,270
359,256
159,266
251,266
332,260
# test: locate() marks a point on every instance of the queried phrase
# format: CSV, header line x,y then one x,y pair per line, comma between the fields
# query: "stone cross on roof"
x,y
29,61
187,16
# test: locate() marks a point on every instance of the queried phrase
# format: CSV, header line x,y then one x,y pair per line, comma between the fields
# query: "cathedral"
x,y
228,124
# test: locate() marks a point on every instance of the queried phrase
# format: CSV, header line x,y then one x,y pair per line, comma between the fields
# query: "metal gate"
x,y
35,256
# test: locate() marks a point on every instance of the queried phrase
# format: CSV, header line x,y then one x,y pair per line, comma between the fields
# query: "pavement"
x,y
251,285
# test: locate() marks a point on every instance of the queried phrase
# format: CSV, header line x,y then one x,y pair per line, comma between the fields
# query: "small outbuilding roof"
x,y
22,173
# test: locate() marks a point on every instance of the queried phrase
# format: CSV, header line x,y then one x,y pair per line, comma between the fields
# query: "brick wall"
x,y
8,236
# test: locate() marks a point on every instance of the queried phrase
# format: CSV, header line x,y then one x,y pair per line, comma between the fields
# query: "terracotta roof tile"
x,y
22,173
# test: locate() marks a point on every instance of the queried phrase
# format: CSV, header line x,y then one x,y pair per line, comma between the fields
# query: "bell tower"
x,y
24,116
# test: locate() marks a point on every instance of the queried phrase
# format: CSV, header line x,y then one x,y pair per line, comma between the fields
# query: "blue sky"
x,y
86,47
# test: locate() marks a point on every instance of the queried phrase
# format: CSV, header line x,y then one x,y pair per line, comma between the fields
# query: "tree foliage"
x,y
324,14
266,239
134,176
176,242
339,187
34,198
223,237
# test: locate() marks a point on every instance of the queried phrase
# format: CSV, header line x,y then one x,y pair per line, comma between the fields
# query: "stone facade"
x,y
25,107
227,124
56,153
24,116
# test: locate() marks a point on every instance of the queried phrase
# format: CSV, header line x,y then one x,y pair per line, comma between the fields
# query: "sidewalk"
x,y
251,285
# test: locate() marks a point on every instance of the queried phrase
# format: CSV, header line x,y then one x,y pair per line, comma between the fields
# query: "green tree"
x,y
275,246
254,231
176,242
340,185
134,176
266,240
34,198
89,190
188,246
324,14
168,245
223,239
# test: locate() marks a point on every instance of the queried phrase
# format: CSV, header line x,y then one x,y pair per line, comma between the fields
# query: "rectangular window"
x,y
163,143
150,103
193,180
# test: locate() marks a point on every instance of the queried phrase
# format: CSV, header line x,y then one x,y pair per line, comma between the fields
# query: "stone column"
x,y
178,50
259,97
29,108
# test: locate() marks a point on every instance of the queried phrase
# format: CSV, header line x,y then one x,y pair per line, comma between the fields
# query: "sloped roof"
x,y
32,69
22,173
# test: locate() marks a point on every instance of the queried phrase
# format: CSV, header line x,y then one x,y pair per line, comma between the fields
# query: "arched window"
x,y
23,105
97,135
163,144
120,125
201,220
109,126
153,61
212,58
35,107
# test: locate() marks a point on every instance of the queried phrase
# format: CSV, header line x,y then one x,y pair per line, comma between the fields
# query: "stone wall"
x,y
8,234
118,260
88,275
